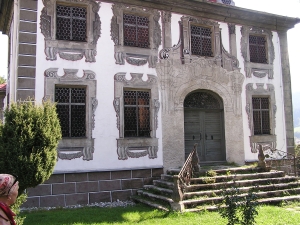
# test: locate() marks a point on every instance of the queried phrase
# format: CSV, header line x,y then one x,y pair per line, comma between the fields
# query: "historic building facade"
x,y
138,83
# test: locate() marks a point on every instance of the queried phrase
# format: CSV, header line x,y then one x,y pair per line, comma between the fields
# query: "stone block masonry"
x,y
68,189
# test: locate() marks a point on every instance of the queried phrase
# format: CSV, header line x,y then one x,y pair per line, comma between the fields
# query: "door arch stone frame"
x,y
177,81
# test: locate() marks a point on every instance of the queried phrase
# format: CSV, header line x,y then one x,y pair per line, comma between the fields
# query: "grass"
x,y
144,215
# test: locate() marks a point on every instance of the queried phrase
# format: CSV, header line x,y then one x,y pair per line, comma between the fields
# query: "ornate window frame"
x,y
260,91
259,70
71,148
215,37
136,147
70,50
134,55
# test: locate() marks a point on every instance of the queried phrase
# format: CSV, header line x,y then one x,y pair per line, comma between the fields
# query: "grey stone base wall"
x,y
91,187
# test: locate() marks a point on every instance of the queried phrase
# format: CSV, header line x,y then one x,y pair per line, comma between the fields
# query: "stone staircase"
x,y
206,187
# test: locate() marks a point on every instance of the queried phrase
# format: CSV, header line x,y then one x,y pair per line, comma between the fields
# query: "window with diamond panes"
x,y
136,31
136,114
71,110
261,115
71,23
201,43
227,2
257,48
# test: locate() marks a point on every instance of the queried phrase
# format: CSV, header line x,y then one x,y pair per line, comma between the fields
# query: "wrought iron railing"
x,y
182,180
278,159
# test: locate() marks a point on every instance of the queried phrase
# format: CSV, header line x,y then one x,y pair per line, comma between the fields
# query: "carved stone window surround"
x,y
260,91
257,69
70,148
136,147
70,50
186,36
133,55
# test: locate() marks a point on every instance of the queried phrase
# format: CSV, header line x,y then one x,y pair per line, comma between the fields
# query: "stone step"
x,y
150,203
274,200
167,177
217,200
235,177
270,187
239,183
154,189
154,196
164,184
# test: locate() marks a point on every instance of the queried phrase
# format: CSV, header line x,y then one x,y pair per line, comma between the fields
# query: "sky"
x,y
289,8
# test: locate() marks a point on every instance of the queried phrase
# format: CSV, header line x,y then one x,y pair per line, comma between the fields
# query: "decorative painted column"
x,y
287,91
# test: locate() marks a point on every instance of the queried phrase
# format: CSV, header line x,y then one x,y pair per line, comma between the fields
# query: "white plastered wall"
x,y
280,130
105,157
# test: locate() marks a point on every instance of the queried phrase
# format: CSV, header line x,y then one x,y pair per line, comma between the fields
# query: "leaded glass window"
x,y
136,113
201,42
71,110
261,115
136,31
257,48
71,23
227,2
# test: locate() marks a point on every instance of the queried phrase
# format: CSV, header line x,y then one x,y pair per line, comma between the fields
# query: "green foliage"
x,y
238,206
211,173
231,200
297,150
2,80
249,209
28,142
16,209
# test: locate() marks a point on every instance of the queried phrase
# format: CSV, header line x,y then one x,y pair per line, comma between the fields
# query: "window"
x,y
71,103
65,21
261,115
136,113
136,105
201,41
257,48
76,103
70,23
258,52
200,37
136,31
136,34
261,109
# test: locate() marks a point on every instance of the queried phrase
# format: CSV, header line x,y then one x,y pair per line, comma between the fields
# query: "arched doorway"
x,y
204,124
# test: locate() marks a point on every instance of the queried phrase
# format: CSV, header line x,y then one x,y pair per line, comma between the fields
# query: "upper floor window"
x,y
136,113
71,23
261,115
71,110
136,31
75,21
257,48
201,41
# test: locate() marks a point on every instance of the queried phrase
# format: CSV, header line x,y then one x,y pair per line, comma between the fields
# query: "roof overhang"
x,y
219,12
6,11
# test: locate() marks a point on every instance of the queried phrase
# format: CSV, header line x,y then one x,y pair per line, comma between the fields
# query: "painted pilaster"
x,y
232,39
287,91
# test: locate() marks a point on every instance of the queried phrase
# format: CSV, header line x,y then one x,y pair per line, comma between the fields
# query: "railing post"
x,y
177,192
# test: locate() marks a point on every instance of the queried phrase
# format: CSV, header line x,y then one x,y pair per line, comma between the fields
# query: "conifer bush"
x,y
28,142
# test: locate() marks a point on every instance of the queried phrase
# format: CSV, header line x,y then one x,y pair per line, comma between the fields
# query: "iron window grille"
x,y
71,24
227,2
71,110
261,115
201,41
136,113
257,48
136,31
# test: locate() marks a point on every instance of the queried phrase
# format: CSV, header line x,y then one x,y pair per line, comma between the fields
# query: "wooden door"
x,y
205,127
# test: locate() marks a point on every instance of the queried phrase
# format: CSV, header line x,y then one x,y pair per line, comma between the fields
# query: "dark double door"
x,y
205,127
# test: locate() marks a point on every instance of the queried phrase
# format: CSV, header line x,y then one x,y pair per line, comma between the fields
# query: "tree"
x,y
28,142
2,80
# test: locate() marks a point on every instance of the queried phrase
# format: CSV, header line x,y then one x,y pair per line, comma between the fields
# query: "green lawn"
x,y
140,214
